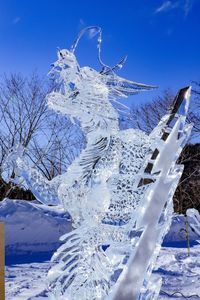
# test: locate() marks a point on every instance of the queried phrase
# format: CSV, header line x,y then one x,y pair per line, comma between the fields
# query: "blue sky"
x,y
161,38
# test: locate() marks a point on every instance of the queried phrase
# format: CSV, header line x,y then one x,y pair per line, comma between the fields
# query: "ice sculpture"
x,y
113,189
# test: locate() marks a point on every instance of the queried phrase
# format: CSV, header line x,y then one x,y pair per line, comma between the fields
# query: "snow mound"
x,y
177,232
32,227
35,228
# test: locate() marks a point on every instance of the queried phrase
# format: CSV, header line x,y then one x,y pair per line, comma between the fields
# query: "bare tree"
x,y
187,192
51,141
147,116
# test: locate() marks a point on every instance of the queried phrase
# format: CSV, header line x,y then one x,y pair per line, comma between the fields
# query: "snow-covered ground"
x,y
180,272
32,232
31,227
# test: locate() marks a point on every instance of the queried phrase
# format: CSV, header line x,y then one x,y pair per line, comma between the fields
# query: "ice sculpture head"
x,y
67,56
65,66
66,60
81,93
86,94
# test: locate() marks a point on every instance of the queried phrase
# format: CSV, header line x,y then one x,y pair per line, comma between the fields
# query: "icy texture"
x,y
135,145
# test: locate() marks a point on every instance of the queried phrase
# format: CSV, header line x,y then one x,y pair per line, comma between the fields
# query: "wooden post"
x,y
2,263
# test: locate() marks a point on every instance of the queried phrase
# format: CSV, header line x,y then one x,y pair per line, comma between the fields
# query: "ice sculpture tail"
x,y
44,190
154,213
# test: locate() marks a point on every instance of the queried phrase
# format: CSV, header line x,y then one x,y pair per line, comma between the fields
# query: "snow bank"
x,y
36,228
31,227
177,232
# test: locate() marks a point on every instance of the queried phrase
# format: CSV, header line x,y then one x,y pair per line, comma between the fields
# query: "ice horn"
x,y
97,30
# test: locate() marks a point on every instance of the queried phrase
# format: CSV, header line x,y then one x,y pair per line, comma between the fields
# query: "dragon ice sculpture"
x,y
118,191
109,184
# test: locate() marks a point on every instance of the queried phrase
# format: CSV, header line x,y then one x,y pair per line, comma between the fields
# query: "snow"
x,y
176,235
32,228
31,235
26,281
180,272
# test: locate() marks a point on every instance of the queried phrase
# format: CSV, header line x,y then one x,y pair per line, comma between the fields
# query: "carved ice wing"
x,y
122,87
74,189
81,168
